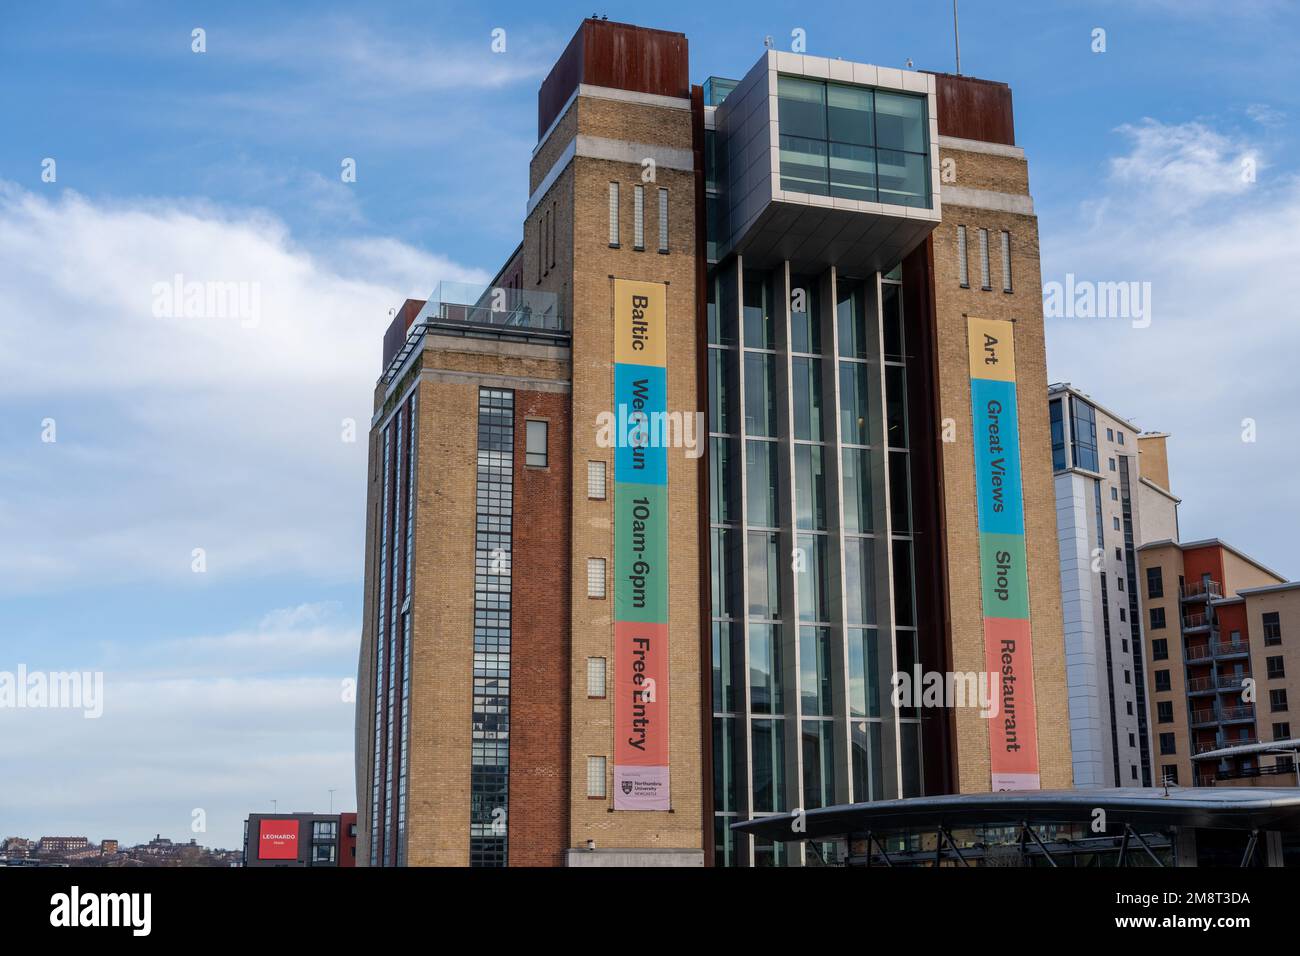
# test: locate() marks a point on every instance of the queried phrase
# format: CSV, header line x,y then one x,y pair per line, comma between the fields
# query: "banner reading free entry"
x,y
640,550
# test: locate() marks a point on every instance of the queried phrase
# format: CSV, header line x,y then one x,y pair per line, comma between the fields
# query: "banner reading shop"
x,y
640,550
1004,579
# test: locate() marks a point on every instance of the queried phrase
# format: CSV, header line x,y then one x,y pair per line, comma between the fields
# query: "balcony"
x,y
462,304
1231,649
1196,622
1237,713
1200,590
1199,654
1204,718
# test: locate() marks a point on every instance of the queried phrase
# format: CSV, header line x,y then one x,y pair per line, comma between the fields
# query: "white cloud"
x,y
224,723
1183,165
1223,339
173,434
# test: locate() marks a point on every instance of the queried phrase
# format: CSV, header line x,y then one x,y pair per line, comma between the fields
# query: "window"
x,y
1277,699
1164,712
963,271
1083,426
1282,731
1110,434
322,853
1006,261
1167,745
1128,707
1123,644
1162,680
984,260
613,215
1119,583
1133,771
596,778
1128,678
1119,437
596,480
1114,518
1169,774
548,256
595,677
1157,618
1155,583
1118,555
638,218
1132,739
1160,646
326,830
853,142
663,219
1123,619
1114,493
1112,464
1058,429
1272,628
535,451
1275,667
595,577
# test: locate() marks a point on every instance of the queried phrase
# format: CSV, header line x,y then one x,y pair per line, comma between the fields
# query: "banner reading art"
x,y
1004,578
640,550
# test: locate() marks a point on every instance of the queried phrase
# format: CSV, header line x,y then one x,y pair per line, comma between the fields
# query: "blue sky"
x,y
224,689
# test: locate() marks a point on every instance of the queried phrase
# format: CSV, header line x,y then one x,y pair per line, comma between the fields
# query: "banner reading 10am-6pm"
x,y
1013,732
640,550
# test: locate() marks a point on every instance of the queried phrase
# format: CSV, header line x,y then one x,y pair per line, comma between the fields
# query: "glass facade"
x,y
813,605
490,736
853,142
392,660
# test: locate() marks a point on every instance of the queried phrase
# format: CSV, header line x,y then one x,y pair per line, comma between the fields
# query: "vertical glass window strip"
x,y
810,488
405,716
613,215
381,669
1006,260
963,269
764,575
554,216
805,315
818,764
490,728
868,766
595,677
596,480
807,388
814,586
864,672
768,757
984,260
759,311
596,777
760,394
765,678
638,218
390,704
663,219
595,577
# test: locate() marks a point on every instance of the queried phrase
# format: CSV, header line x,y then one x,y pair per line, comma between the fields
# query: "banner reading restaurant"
x,y
1013,736
640,550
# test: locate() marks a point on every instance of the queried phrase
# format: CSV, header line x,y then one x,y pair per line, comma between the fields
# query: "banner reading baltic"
x,y
640,549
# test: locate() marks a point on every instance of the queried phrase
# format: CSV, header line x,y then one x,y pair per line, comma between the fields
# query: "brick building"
x,y
752,420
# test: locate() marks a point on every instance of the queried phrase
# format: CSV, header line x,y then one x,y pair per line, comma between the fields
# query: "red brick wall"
x,y
539,649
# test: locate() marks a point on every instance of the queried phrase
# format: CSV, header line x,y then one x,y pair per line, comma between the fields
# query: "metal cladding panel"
x,y
618,56
971,108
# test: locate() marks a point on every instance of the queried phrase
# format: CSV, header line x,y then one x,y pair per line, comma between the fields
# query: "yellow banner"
x,y
992,349
639,323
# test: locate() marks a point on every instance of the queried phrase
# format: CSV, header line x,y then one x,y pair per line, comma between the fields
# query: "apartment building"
x,y
1112,495
1221,672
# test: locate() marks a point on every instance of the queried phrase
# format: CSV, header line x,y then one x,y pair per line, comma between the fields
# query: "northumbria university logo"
x,y
627,786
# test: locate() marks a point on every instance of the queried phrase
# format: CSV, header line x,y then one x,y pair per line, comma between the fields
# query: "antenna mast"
x,y
956,36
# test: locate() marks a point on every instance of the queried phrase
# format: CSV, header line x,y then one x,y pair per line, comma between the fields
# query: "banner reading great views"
x,y
640,550
1004,579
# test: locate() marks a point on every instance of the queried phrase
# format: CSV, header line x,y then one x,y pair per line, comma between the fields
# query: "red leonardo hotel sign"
x,y
277,840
